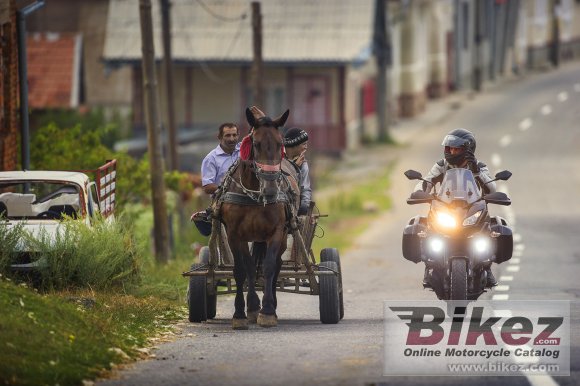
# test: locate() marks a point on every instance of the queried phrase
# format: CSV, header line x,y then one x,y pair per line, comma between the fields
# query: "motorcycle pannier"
x,y
504,242
411,240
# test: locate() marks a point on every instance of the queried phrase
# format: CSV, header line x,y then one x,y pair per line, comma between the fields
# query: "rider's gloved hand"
x,y
471,162
302,210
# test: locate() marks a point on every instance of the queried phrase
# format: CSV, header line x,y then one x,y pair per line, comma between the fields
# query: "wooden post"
x,y
257,72
153,129
168,72
382,53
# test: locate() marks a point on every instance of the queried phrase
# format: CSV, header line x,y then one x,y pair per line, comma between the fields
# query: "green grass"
x,y
70,336
350,210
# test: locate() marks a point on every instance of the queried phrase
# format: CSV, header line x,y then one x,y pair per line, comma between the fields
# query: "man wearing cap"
x,y
296,143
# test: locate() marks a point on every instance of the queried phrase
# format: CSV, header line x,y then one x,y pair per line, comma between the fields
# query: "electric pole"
x,y
382,53
168,72
160,224
257,72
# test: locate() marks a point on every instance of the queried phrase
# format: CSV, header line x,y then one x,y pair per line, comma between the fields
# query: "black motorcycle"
x,y
458,240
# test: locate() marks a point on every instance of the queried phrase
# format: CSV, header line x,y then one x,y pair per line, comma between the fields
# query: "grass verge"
x,y
66,337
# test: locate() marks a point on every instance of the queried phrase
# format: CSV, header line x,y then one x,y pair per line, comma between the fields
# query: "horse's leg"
x,y
267,317
281,250
239,320
258,251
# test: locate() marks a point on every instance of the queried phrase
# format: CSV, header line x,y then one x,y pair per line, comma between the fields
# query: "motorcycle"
x,y
458,240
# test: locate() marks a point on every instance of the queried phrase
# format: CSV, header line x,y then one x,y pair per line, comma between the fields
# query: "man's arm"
x,y
305,189
209,175
485,177
433,176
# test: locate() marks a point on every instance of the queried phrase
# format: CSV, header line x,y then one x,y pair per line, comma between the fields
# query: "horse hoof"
x,y
253,316
240,324
267,320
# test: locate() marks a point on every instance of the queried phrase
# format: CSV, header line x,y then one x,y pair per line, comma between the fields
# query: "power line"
x,y
218,16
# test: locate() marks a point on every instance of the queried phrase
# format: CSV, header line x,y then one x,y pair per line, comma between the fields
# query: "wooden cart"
x,y
213,274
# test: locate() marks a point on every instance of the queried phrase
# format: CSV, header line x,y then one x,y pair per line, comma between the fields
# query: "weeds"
x,y
74,255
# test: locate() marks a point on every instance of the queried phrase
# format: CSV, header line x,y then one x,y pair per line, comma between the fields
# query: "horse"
x,y
255,208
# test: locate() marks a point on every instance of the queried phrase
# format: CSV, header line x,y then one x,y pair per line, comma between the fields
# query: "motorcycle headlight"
x,y
446,220
472,220
436,244
481,244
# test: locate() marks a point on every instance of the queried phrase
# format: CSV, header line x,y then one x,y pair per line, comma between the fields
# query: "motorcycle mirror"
x,y
503,175
413,175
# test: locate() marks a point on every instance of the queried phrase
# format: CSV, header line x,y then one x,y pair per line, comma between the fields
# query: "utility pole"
x,y
257,72
555,46
153,129
382,53
168,72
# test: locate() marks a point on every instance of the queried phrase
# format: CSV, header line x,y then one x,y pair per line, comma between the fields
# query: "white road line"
x,y
506,278
505,140
541,379
563,96
519,247
495,160
517,237
577,87
525,124
500,297
516,253
502,288
546,110
502,313
514,260
513,268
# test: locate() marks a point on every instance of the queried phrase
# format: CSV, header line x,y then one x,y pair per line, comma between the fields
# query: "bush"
x,y
98,257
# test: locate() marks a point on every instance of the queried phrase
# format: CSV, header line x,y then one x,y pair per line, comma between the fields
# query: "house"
x,y
308,49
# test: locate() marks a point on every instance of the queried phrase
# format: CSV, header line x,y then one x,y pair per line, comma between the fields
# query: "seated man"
x,y
296,144
214,167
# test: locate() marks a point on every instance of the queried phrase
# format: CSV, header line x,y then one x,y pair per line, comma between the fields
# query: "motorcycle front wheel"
x,y
458,290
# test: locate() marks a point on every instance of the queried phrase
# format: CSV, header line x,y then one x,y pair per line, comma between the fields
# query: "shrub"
x,y
102,256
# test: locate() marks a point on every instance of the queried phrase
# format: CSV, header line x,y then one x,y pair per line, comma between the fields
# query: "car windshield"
x,y
459,184
38,200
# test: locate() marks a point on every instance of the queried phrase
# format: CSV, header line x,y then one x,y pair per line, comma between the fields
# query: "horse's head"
x,y
267,150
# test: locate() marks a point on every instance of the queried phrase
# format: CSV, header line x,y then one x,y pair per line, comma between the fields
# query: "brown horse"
x,y
255,208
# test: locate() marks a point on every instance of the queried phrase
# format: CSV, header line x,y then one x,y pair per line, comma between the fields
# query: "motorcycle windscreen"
x,y
459,184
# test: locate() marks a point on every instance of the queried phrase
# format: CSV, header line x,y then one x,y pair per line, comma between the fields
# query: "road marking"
x,y
577,87
525,124
514,260
505,140
500,297
516,253
517,237
563,96
546,110
541,379
513,268
502,288
519,247
495,160
502,313
506,278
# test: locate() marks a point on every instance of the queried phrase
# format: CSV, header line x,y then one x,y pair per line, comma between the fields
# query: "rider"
x,y
214,167
296,143
460,153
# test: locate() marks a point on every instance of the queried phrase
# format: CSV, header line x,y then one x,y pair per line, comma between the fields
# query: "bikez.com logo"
x,y
426,327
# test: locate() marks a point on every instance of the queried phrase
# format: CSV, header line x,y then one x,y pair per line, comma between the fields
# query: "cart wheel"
x,y
197,297
211,305
331,254
329,294
211,302
204,255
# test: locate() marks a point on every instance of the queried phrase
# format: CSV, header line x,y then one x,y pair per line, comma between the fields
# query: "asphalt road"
x,y
531,127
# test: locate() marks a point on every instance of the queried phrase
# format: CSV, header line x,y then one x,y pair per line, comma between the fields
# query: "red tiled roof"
x,y
51,62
